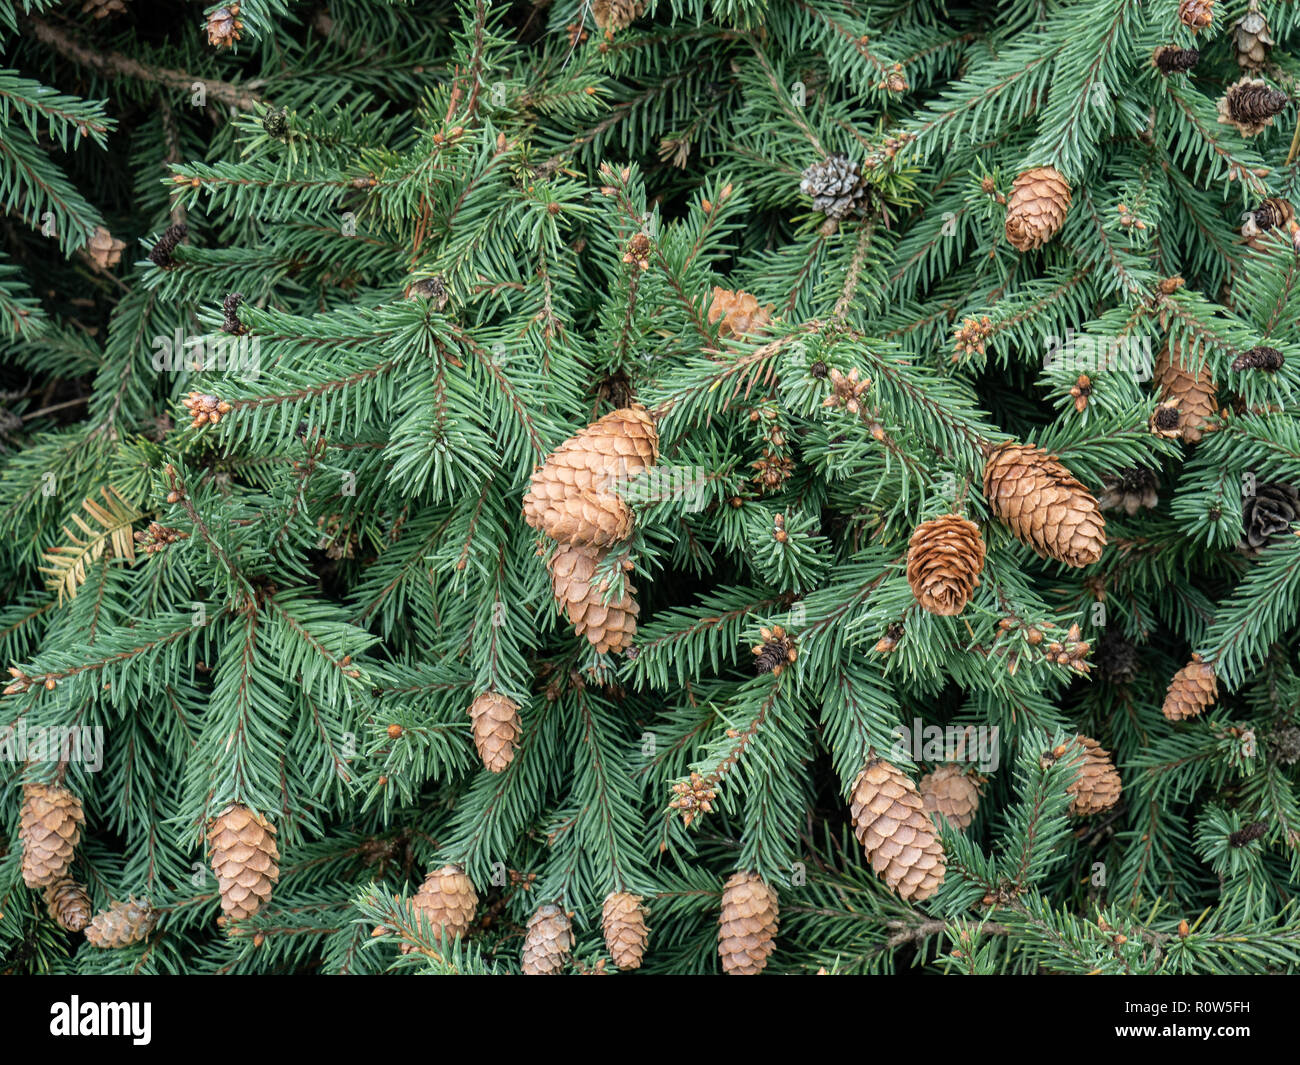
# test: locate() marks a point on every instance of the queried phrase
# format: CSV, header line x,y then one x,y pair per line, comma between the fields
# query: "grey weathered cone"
x,y
1116,658
1268,516
1129,490
1251,40
835,185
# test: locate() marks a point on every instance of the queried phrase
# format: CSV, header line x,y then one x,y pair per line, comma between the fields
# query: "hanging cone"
x,y
623,920
1043,505
747,929
950,792
573,497
1194,689
1039,199
447,901
1190,392
1251,40
49,827
607,626
944,559
548,942
68,903
1096,784
495,721
244,856
614,15
898,836
122,924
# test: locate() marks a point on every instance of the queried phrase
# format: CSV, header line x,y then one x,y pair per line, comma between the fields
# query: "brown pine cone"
x,y
104,249
607,626
951,792
244,856
1196,14
747,929
944,560
1171,60
548,942
1043,505
898,836
224,27
161,253
1129,490
446,900
68,903
1195,688
1259,358
573,497
122,924
1190,391
1039,199
1251,40
1251,105
615,15
1097,785
623,920
740,313
495,722
49,827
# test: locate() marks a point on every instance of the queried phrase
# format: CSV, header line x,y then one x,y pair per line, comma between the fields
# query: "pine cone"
x,y
1251,105
224,27
1129,490
548,942
122,924
835,184
777,651
244,857
573,497
161,253
1251,40
1259,358
899,838
951,792
104,249
747,929
1172,60
615,15
495,722
1097,784
49,827
1286,744
1039,199
1195,688
623,920
1196,14
607,626
944,560
1116,658
446,900
1043,504
1191,392
740,313
68,903
1268,516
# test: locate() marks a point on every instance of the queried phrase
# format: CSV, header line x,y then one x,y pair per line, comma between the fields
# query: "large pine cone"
x,y
1268,516
494,719
1190,391
574,494
607,626
951,792
244,857
898,836
548,942
1195,688
68,903
1096,785
1043,505
835,184
1251,105
747,929
446,900
944,560
1039,199
122,924
614,15
50,828
623,920
1251,40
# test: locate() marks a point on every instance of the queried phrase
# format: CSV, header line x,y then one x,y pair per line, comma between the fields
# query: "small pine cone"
x,y
898,836
161,253
623,920
548,942
122,924
1190,391
944,560
1251,105
777,651
230,313
747,929
1171,60
740,313
1130,490
615,15
446,900
1268,516
49,827
1116,658
104,249
607,626
276,122
1251,40
224,27
836,186
1259,358
433,289
1097,784
244,856
1196,14
1039,199
1286,745
573,497
1194,689
950,791
1043,504
495,722
68,903
205,409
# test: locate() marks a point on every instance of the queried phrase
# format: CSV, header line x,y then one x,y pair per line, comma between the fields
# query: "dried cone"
x,y
613,15
548,942
68,904
244,859
740,313
495,722
104,249
1191,391
1039,199
1251,40
1096,784
607,626
951,792
447,901
897,834
224,27
50,828
573,497
747,930
1251,105
1195,688
1043,504
1196,14
944,560
623,920
122,924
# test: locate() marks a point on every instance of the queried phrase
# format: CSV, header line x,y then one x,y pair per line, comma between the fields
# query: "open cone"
x,y
244,857
623,920
495,722
607,626
1039,200
897,834
944,559
1194,689
446,900
548,942
49,827
748,926
1044,505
